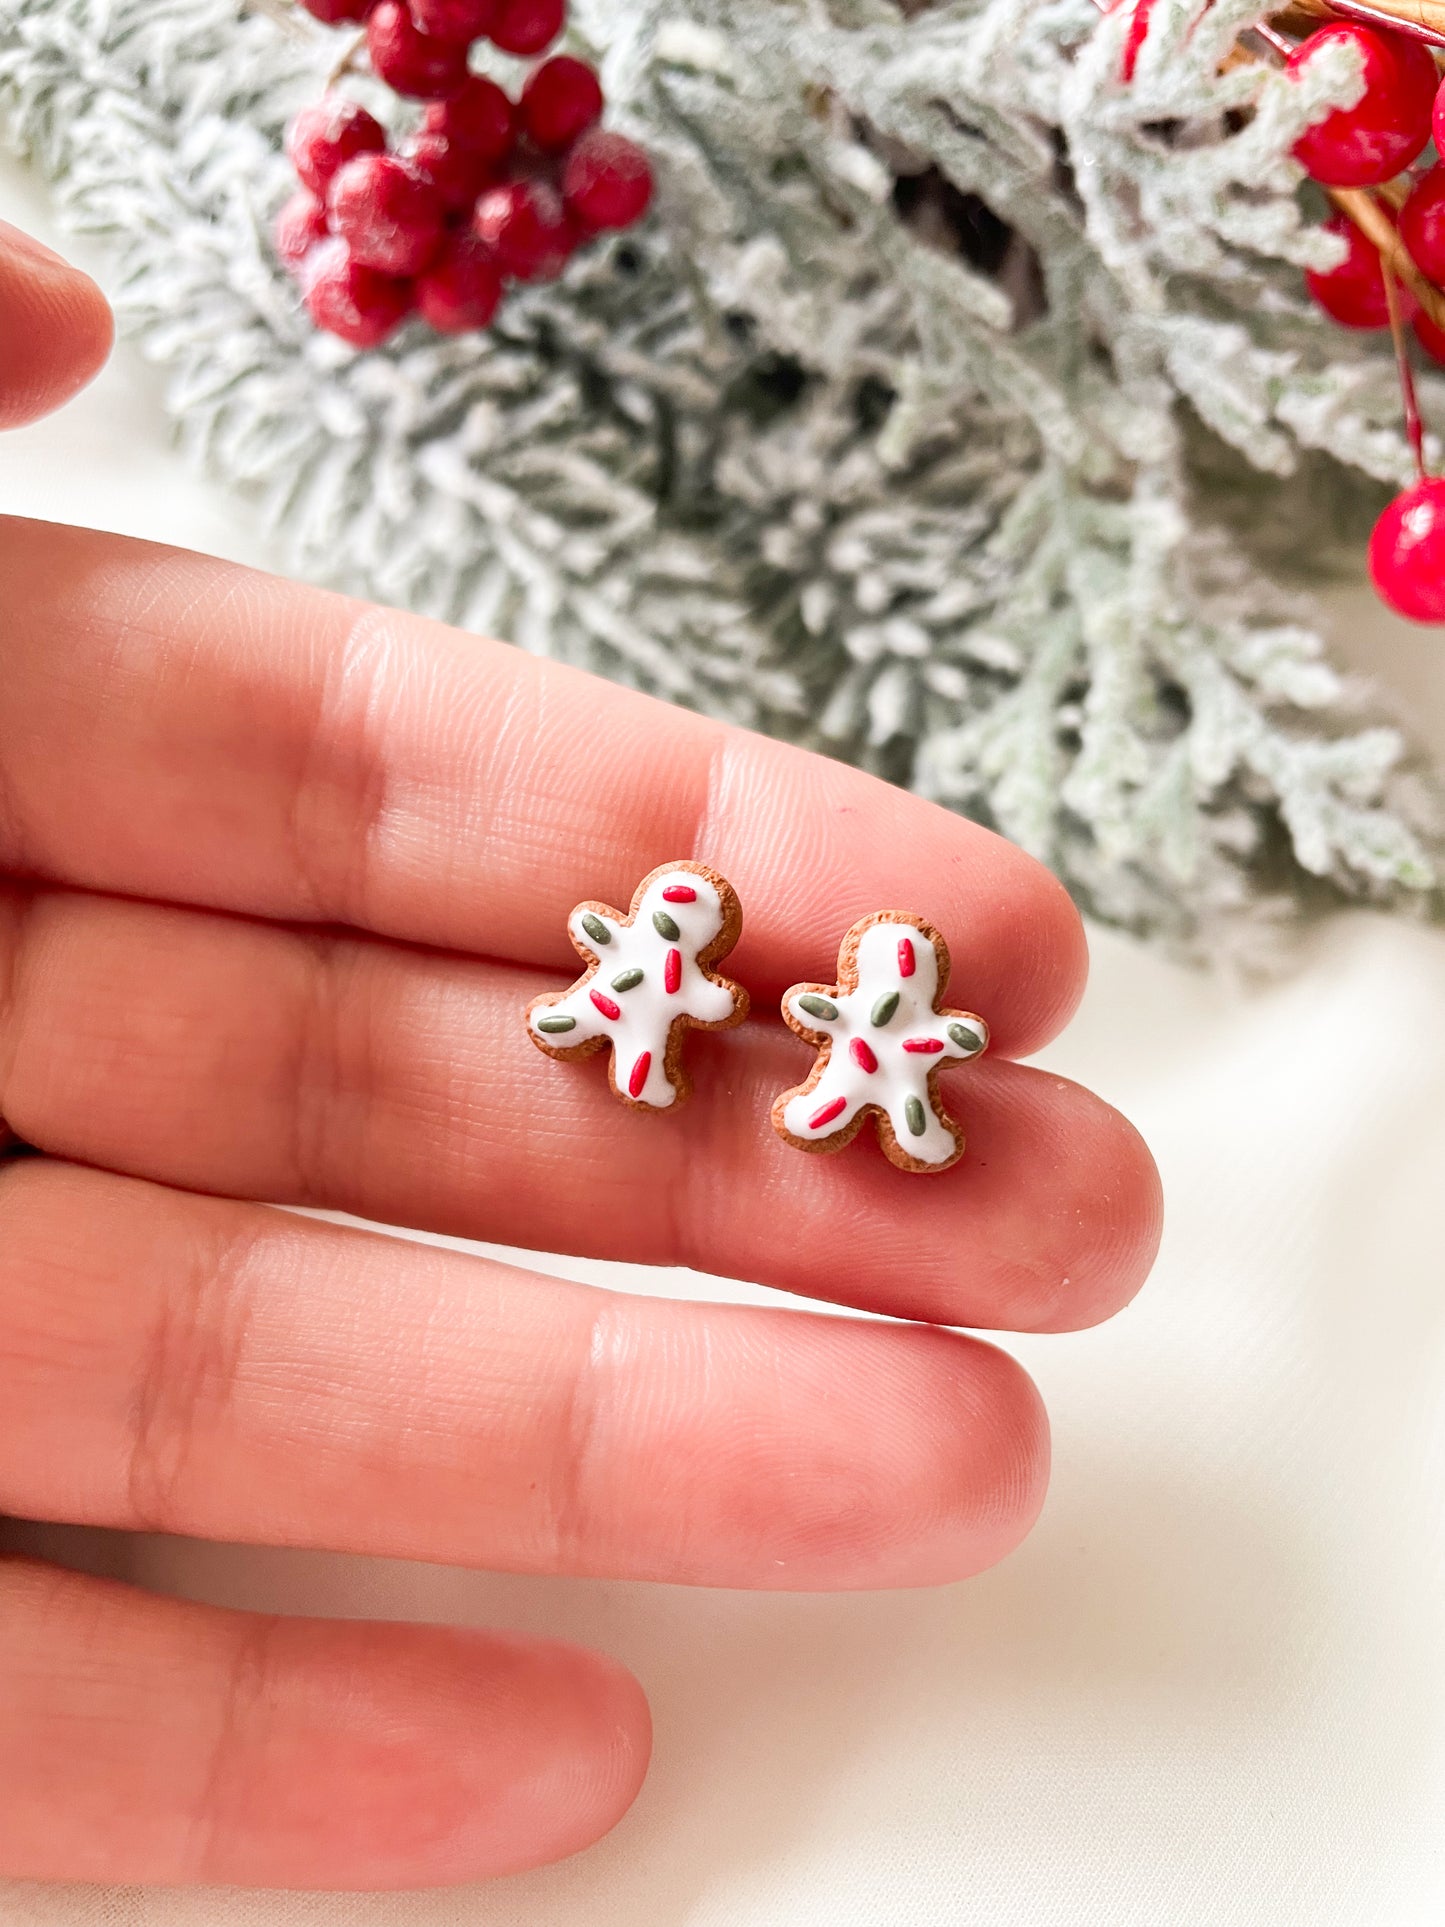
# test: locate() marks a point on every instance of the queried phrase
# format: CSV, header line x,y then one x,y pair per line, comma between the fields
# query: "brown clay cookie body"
x,y
649,978
881,1042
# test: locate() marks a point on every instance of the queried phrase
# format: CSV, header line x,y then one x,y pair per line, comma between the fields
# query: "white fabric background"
x,y
1209,1691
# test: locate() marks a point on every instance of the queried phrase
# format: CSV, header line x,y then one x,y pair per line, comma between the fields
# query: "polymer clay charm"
x,y
649,979
881,1042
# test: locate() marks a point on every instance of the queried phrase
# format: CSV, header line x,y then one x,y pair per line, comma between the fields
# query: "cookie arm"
x,y
808,1009
963,1036
593,932
565,1022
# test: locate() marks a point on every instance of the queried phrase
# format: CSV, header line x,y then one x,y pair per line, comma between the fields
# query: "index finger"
x,y
178,727
56,328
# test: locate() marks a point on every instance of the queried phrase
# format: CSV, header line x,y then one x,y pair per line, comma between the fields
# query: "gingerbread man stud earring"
x,y
881,1042
649,979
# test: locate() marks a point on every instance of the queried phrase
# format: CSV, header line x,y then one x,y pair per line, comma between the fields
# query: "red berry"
x,y
1354,293
527,26
299,226
525,226
459,20
607,181
560,101
409,60
1388,125
357,303
333,12
457,176
1407,553
1430,338
1422,224
461,290
479,118
326,136
389,218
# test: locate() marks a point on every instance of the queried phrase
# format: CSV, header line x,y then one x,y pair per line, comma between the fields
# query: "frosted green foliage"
x,y
883,434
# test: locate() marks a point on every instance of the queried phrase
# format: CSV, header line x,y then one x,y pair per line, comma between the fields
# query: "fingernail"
x,y
14,240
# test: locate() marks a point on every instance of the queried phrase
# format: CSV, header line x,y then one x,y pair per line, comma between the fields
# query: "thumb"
x,y
55,328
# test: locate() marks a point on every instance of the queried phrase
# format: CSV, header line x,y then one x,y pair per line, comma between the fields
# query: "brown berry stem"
x,y
1414,427
1276,42
1416,19
1364,209
349,62
280,13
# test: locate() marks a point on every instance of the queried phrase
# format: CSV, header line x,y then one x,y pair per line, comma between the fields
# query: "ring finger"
x,y
185,1364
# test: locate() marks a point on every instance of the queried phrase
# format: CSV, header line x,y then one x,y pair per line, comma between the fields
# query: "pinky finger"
x,y
157,1741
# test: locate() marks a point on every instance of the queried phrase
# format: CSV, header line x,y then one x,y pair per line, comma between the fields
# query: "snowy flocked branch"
x,y
880,435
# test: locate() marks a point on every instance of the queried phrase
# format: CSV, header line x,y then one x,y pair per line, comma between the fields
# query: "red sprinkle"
x,y
679,893
905,957
926,1045
672,971
608,1008
1138,27
862,1056
639,1074
827,1114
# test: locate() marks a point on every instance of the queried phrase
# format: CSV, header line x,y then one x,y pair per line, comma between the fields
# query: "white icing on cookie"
x,y
883,1040
647,977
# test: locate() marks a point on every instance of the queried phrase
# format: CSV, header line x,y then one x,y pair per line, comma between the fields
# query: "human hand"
x,y
280,874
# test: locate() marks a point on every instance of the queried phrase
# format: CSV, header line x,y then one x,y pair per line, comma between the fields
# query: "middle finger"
x,y
250,1059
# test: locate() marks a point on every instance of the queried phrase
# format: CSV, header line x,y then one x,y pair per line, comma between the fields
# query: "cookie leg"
x,y
819,1116
922,1136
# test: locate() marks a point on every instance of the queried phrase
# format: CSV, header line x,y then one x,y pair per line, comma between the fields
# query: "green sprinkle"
x,y
884,1008
913,1112
818,1007
665,926
965,1038
551,1024
627,980
596,929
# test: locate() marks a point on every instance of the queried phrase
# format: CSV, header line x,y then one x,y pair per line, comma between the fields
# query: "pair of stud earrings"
x,y
880,1037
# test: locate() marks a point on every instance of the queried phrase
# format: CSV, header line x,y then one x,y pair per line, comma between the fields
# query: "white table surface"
x,y
1209,1691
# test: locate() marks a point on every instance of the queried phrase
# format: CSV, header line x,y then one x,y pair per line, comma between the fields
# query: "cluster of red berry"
x,y
485,191
1369,145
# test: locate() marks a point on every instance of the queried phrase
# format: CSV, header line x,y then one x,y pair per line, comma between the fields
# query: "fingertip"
x,y
439,1756
1018,948
1052,1226
58,328
602,1748
1051,955
917,1457
1110,1221
814,845
990,1460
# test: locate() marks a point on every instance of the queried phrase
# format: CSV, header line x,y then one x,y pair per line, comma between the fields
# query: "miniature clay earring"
x,y
649,979
881,1041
